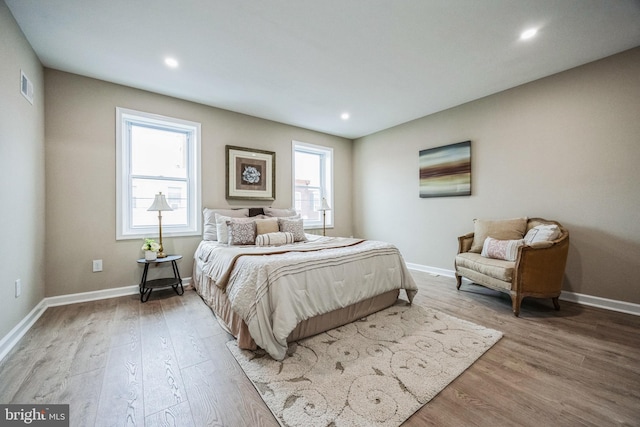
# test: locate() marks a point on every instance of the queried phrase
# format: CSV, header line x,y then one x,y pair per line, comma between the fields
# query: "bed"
x,y
267,296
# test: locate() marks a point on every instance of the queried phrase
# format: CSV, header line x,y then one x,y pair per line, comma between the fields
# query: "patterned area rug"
x,y
376,371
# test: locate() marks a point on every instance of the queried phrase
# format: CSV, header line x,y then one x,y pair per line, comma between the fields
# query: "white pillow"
x,y
210,231
501,249
274,239
542,233
280,212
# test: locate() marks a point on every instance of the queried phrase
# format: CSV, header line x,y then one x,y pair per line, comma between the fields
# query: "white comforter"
x,y
274,292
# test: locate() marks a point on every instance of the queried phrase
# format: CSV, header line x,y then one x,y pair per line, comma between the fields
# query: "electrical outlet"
x,y
97,265
18,287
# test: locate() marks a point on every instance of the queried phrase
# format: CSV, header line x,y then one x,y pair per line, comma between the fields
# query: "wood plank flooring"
x,y
165,363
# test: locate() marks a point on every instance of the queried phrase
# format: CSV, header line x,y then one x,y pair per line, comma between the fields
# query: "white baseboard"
x,y
605,303
14,335
91,296
434,271
12,338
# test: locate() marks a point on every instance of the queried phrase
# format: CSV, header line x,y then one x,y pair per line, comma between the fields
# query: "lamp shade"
x,y
325,206
160,203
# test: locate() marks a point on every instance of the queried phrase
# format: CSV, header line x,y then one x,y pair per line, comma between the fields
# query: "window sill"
x,y
165,234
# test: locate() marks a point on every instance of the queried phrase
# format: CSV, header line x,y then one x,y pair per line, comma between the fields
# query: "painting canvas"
x,y
446,171
250,173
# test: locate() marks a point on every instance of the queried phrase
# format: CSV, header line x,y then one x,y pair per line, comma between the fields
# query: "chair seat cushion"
x,y
496,268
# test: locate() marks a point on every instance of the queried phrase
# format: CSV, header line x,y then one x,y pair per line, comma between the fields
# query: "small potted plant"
x,y
150,249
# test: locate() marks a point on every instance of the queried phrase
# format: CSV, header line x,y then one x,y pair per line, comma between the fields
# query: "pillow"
x,y
241,232
542,233
279,212
264,226
274,239
293,226
221,226
505,229
501,249
209,217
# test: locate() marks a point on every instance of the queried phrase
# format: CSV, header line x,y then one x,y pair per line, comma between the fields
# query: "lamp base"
x,y
162,255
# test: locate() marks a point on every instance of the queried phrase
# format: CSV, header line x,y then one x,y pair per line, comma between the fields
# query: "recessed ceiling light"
x,y
344,116
528,34
171,62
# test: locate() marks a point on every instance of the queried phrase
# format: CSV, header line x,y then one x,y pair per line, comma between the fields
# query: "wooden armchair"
x,y
537,271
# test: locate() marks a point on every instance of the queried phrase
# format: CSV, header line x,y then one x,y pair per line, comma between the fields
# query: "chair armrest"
x,y
541,245
540,268
464,243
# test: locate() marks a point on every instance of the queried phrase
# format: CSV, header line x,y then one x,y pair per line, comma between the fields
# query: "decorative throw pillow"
x,y
542,233
264,226
222,229
280,212
274,239
293,226
241,232
209,219
506,229
501,249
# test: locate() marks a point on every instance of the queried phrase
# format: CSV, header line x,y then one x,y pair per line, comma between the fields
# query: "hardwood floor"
x,y
119,362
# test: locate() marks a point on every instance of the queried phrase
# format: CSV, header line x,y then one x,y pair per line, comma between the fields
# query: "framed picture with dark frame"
x,y
251,174
446,171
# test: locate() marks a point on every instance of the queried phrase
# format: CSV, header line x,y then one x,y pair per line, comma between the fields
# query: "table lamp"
x,y
324,208
160,204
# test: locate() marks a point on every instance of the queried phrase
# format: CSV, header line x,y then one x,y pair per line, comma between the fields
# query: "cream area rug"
x,y
376,371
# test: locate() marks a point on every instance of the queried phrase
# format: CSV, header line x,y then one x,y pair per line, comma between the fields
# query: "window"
x,y
313,180
156,154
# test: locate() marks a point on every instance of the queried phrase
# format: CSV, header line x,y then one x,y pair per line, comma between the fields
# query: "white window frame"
x,y
326,179
124,230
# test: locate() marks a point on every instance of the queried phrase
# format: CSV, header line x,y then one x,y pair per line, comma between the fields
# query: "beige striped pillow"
x,y
274,239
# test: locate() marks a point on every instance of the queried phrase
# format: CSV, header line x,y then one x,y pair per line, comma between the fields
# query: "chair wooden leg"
x,y
458,281
515,304
556,304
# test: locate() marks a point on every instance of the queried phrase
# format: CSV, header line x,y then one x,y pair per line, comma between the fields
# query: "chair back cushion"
x,y
505,229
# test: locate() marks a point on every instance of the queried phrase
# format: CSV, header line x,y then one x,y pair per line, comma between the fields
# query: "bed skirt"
x,y
217,299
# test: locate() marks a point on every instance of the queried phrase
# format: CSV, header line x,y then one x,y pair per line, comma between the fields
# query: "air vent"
x,y
26,87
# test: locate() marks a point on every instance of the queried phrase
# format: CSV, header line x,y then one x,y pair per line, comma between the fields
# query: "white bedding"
x,y
274,292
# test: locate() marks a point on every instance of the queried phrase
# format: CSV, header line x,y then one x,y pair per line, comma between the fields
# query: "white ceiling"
x,y
304,62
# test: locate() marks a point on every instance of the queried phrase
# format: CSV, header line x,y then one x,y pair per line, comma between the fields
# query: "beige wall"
x,y
80,176
566,147
22,183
